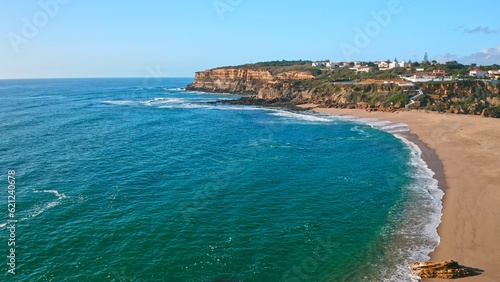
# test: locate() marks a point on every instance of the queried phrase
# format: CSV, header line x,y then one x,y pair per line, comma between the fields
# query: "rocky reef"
x,y
447,269
293,87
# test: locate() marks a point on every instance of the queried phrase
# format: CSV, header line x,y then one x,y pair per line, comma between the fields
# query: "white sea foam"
x,y
37,210
187,106
383,125
40,209
359,130
56,193
183,103
395,128
209,93
423,215
386,126
121,102
205,105
418,226
240,108
298,116
425,177
150,102
199,92
168,100
162,101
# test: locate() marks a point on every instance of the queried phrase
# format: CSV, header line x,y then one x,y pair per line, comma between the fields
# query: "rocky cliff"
x,y
301,87
238,80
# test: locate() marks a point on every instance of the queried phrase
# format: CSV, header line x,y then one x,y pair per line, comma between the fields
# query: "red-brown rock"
x,y
447,269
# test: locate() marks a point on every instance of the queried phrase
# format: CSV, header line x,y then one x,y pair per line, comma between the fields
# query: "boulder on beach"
x,y
447,269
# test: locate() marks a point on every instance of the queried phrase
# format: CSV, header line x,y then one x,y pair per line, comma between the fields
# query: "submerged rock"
x,y
447,269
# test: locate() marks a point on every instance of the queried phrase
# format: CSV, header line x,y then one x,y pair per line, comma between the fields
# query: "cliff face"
x,y
237,80
296,87
465,88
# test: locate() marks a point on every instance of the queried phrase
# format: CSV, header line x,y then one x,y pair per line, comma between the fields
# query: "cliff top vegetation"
x,y
452,68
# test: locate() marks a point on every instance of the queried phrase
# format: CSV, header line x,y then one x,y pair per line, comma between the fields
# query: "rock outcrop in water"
x,y
276,87
447,269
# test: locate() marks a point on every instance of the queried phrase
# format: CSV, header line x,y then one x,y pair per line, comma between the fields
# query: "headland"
x,y
453,120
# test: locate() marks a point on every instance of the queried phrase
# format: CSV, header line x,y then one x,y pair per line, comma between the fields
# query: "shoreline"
x,y
430,158
463,152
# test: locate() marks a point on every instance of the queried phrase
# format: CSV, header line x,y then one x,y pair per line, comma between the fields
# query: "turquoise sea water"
x,y
140,180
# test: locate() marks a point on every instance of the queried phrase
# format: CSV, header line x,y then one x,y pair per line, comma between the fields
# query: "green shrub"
x,y
399,98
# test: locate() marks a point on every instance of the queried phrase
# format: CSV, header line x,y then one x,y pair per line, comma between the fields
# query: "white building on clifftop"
x,y
477,73
427,78
391,65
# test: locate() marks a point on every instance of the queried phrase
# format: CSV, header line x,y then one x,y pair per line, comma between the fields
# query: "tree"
x,y
395,60
426,59
453,65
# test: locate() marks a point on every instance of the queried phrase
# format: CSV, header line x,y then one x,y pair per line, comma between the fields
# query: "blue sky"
x,y
125,38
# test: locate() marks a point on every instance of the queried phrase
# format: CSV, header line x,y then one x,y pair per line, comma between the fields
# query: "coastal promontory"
x,y
302,82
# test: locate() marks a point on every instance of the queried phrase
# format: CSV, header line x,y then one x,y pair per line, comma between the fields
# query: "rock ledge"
x,y
447,269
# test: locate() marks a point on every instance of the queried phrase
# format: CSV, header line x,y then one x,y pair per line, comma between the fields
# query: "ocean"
x,y
141,180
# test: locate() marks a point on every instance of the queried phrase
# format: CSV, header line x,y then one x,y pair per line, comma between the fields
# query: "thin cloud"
x,y
487,56
446,58
483,30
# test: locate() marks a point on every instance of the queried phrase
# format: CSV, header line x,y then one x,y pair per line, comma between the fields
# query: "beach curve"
x,y
467,149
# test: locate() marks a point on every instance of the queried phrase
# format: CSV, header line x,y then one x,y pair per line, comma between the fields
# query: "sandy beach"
x,y
469,150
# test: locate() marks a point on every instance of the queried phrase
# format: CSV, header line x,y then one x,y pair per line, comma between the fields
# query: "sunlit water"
x,y
140,180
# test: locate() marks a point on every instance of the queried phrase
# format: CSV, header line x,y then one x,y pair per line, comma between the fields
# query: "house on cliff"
x,y
494,73
427,77
477,73
391,65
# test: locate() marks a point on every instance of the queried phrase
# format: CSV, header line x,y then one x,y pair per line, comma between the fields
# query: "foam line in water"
x,y
120,102
56,193
209,93
429,198
187,106
162,101
429,202
387,126
39,210
298,116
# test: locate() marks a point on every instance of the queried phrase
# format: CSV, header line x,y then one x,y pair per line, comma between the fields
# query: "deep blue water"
x,y
121,180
